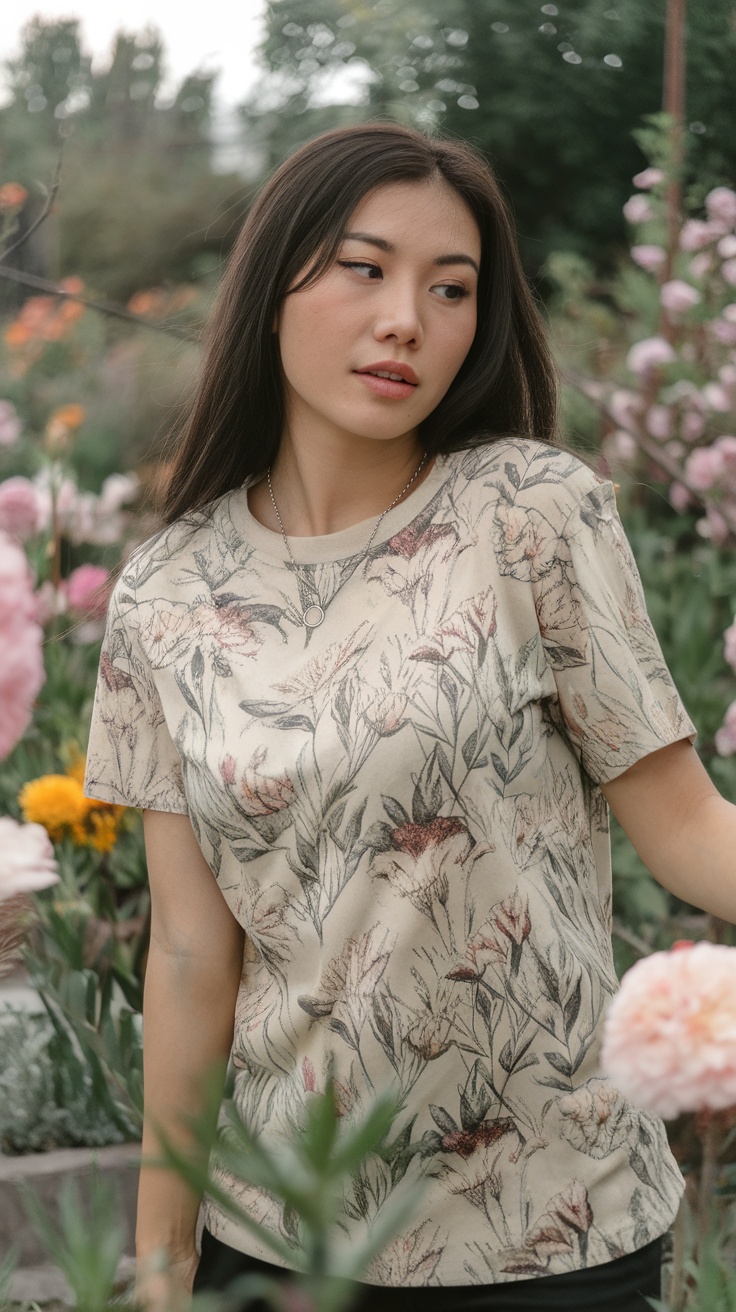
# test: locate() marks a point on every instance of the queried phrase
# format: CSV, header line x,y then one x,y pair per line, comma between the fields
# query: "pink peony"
x,y
720,205
20,508
726,736
638,209
10,426
695,234
87,591
680,498
727,247
704,468
21,664
650,258
649,354
716,397
669,1041
648,178
678,296
728,272
27,860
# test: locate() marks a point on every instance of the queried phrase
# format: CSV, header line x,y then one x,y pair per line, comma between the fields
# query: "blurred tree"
x,y
551,92
140,202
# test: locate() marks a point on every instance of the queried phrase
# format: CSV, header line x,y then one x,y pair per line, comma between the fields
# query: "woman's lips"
x,y
389,387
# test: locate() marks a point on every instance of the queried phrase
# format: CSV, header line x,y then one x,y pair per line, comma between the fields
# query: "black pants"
x,y
619,1286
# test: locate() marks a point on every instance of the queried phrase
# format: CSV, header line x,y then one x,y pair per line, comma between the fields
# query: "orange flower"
x,y
57,802
12,196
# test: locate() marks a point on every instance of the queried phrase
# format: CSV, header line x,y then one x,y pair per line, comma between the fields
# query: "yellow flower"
x,y
54,801
57,802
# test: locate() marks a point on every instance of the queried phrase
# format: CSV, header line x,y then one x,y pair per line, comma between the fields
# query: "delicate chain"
x,y
376,526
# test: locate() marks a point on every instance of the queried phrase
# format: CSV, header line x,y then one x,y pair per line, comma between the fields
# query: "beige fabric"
x,y
401,808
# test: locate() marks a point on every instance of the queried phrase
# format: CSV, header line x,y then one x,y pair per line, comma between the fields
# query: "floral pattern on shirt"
x,y
402,809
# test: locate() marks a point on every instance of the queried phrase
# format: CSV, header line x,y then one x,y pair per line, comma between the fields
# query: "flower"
x,y
20,508
720,204
638,210
12,196
716,397
648,178
678,296
701,264
659,422
21,663
729,641
669,1039
695,234
87,591
263,794
27,860
650,257
10,425
649,354
704,468
680,498
727,247
57,802
620,445
728,272
725,739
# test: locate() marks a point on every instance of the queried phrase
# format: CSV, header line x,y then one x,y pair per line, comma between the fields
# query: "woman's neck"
x,y
326,488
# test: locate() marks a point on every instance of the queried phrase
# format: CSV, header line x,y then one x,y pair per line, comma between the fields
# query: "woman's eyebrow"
x,y
457,258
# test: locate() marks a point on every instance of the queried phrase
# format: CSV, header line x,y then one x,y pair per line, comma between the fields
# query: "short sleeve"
x,y
616,701
131,757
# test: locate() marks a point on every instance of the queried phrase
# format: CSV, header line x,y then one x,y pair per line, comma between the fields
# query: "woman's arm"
x,y
192,976
681,827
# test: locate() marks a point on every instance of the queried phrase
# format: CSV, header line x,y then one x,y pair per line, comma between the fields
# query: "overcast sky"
x,y
215,34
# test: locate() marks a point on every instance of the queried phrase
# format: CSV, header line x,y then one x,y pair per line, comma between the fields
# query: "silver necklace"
x,y
314,613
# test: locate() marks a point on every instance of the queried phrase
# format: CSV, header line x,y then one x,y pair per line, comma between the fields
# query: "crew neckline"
x,y
346,542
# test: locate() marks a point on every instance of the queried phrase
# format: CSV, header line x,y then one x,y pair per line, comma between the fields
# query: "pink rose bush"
x,y
21,663
670,1035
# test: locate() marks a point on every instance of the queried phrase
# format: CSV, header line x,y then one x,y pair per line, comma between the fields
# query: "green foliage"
x,y
86,1244
559,130
308,1175
8,1264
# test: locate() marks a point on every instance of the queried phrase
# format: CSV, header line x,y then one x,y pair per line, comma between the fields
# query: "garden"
x,y
99,344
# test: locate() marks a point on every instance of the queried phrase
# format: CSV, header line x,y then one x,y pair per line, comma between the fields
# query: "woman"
x,y
379,676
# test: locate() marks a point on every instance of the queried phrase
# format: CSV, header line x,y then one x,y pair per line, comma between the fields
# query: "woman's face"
x,y
399,299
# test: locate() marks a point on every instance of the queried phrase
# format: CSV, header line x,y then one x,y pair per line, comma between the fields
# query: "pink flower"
x,y
726,446
659,422
714,527
693,425
728,272
729,312
88,590
21,664
624,407
701,264
729,644
720,204
638,209
726,736
650,258
716,397
20,508
669,1041
678,296
27,860
50,601
649,354
704,468
727,247
648,178
723,331
680,498
696,234
10,426
620,445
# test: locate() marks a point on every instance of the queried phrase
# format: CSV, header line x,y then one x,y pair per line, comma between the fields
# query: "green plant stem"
x,y
677,1284
708,1173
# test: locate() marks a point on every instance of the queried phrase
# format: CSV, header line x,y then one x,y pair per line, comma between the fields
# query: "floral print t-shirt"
x,y
401,808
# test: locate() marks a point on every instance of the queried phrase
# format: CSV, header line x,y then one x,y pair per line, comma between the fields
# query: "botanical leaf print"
x,y
402,810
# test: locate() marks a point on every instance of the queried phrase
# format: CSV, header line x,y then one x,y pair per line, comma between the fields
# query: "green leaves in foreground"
x,y
307,1176
87,1243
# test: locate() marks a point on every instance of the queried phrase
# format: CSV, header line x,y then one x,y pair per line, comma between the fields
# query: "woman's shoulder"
x,y
528,473
162,559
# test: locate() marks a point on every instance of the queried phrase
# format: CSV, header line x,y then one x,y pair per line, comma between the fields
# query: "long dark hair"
x,y
506,385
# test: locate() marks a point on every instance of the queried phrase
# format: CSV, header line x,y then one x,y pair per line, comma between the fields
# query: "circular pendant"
x,y
313,616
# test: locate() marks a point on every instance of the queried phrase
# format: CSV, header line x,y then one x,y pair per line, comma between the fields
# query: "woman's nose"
x,y
399,319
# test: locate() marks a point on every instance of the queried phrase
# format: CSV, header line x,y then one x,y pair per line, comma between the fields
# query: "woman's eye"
x,y
451,291
362,267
